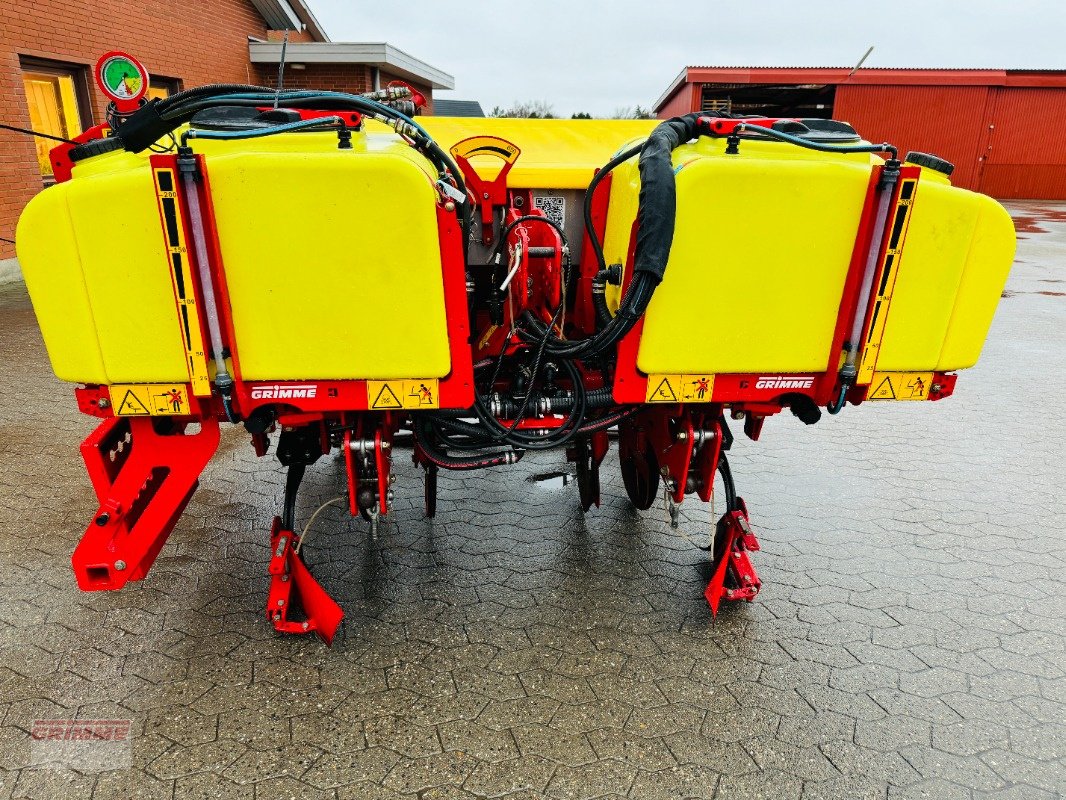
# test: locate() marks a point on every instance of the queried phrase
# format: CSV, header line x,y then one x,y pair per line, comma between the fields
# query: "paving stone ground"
x,y
908,641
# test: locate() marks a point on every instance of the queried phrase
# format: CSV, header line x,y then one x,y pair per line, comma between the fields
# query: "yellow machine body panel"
x,y
556,153
347,282
762,247
314,241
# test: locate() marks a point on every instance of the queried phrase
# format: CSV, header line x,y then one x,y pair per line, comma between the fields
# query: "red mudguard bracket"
x,y
143,480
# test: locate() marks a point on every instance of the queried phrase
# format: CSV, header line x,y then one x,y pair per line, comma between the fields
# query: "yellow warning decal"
x,y
900,386
397,394
149,399
679,389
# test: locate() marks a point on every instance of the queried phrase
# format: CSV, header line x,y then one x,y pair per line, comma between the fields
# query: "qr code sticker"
x,y
553,206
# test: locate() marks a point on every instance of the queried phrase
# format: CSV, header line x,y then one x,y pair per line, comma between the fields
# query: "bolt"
x,y
485,195
385,445
284,578
737,414
277,617
103,402
306,626
682,435
120,565
729,594
449,206
281,603
392,480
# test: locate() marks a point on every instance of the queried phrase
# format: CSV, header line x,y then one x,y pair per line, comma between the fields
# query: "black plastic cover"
x,y
96,147
929,161
143,128
241,118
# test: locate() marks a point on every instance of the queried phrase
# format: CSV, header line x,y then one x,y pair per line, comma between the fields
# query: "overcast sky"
x,y
598,56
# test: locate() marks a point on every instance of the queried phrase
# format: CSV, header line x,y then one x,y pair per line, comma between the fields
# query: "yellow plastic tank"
x,y
319,246
761,251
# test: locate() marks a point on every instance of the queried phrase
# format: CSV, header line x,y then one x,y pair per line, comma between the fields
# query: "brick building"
x,y
48,49
1001,128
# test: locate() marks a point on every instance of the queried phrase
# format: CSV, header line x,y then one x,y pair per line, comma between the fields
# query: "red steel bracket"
x,y
287,570
143,480
489,194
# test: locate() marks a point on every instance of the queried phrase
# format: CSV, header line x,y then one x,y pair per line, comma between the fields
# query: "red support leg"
x,y
143,480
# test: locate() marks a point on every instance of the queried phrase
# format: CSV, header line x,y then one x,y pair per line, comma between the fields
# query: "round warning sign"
x,y
122,78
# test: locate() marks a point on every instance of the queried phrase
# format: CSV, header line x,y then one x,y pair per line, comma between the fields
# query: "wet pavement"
x,y
908,641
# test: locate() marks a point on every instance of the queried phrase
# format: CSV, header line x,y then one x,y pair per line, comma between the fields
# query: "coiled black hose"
x,y
423,434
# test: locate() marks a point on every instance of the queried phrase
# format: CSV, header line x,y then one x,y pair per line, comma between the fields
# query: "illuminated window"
x,y
162,87
55,97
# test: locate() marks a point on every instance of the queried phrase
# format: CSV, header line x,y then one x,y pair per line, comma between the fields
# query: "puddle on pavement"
x,y
551,480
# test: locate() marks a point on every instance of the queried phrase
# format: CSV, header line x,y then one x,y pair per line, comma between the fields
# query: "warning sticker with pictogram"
x,y
384,395
663,389
396,394
149,399
679,389
900,386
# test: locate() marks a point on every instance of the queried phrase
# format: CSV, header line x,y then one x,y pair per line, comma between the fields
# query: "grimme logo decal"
x,y
278,392
779,382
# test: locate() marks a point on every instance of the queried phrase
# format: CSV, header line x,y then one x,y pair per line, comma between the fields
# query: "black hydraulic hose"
x,y
607,421
594,400
556,438
727,480
293,479
209,89
633,306
526,218
657,204
450,462
159,117
884,147
657,209
477,436
599,298
590,228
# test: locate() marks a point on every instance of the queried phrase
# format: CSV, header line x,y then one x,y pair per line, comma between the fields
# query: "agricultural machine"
x,y
328,270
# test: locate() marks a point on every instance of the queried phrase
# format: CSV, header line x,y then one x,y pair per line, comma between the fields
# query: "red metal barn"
x,y
1002,129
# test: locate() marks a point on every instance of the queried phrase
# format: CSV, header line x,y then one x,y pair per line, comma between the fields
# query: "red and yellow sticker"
x,y
679,389
149,399
403,394
900,386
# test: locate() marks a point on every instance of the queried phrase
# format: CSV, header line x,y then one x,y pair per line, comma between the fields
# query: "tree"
x,y
531,109
581,115
634,112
